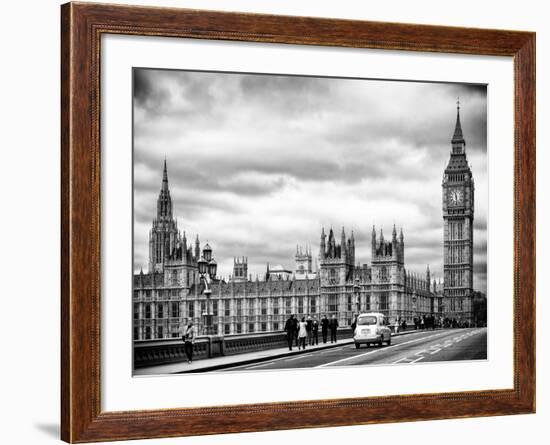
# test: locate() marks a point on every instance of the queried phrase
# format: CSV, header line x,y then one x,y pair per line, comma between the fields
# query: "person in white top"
x,y
302,333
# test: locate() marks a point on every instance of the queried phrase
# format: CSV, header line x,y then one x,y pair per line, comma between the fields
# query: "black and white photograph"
x,y
285,221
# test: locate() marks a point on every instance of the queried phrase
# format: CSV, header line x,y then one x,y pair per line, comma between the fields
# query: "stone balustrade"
x,y
171,350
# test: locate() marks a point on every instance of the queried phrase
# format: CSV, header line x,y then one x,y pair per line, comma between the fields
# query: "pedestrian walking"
x,y
290,327
333,329
324,328
189,341
296,330
302,334
315,332
309,330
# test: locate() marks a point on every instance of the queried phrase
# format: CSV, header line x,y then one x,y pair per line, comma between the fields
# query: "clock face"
x,y
455,196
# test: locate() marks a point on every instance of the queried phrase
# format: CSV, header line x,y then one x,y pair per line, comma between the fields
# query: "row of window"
x,y
167,294
454,292
455,304
226,328
191,277
456,278
456,230
226,308
161,294
172,309
456,255
456,177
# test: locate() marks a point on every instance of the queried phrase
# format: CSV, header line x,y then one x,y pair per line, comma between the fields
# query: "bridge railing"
x,y
171,350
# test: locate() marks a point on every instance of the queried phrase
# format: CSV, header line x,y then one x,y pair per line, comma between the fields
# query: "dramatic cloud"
x,y
258,163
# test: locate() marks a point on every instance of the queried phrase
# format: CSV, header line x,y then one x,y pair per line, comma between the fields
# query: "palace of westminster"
x,y
172,292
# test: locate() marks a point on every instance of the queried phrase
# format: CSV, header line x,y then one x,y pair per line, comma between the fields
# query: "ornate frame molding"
x,y
81,28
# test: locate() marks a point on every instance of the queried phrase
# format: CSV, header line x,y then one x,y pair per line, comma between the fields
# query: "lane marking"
x,y
387,348
437,348
347,346
257,366
402,360
288,358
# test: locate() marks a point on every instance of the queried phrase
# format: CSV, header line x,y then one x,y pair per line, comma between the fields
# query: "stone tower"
x,y
336,261
240,269
388,257
304,261
164,235
458,222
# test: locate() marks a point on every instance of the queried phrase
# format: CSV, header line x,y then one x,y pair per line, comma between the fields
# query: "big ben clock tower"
x,y
458,230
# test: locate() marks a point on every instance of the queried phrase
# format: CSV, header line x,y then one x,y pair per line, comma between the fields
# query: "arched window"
x,y
383,274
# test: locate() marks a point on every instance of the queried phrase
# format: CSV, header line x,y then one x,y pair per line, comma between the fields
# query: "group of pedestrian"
x,y
304,332
454,323
400,325
425,322
299,333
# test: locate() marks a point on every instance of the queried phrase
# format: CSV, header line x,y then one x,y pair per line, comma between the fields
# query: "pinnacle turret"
x,y
197,248
458,142
164,234
164,201
457,136
165,176
343,243
322,245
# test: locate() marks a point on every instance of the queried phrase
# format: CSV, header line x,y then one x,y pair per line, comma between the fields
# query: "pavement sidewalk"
x,y
229,361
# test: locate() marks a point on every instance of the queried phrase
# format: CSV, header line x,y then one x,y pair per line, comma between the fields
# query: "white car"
x,y
371,327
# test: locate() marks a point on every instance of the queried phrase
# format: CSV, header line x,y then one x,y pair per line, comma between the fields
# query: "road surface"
x,y
421,346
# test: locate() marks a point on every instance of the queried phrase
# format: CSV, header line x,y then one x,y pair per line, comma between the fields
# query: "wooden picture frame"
x,y
82,26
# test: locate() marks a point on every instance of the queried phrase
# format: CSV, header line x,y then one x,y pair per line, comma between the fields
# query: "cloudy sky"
x,y
259,163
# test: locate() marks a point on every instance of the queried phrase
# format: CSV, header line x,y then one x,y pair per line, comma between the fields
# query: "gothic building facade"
x,y
172,291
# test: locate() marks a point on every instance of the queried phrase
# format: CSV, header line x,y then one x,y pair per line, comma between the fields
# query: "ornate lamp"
x,y
202,265
207,252
212,268
207,270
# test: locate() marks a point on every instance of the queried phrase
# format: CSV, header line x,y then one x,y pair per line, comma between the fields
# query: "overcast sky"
x,y
259,163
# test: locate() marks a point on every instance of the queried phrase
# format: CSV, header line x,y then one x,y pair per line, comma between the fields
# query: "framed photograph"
x,y
274,222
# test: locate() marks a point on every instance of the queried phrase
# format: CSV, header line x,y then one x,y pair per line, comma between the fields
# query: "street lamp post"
x,y
207,271
357,297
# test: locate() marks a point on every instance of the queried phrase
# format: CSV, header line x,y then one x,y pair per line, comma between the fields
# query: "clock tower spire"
x,y
458,142
458,222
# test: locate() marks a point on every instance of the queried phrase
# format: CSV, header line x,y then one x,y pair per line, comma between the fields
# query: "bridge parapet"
x,y
171,350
